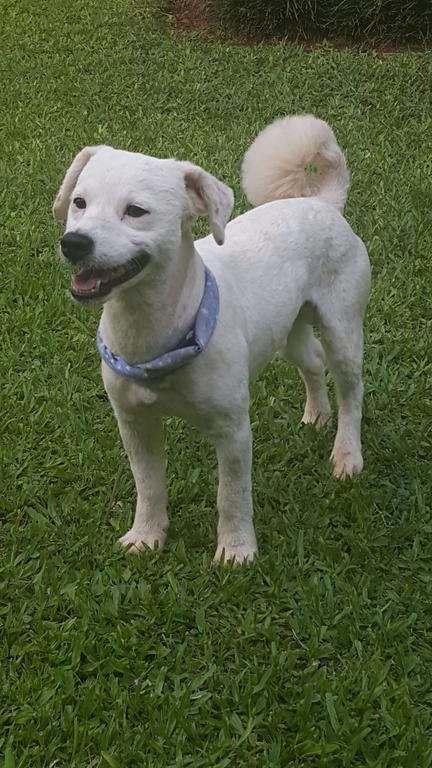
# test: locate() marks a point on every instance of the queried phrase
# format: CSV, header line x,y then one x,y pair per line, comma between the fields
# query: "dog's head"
x,y
126,214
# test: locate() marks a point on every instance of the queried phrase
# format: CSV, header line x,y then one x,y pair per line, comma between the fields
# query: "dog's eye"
x,y
80,202
135,211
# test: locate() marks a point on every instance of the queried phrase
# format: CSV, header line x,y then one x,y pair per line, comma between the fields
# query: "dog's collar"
x,y
190,345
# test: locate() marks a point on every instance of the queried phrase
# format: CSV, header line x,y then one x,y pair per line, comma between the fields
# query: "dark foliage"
x,y
389,20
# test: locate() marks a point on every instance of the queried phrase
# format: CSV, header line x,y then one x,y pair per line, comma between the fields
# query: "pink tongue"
x,y
86,285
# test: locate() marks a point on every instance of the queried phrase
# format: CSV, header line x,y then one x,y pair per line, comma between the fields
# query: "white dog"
x,y
186,325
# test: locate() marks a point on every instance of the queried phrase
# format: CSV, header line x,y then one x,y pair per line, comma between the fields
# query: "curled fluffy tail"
x,y
295,156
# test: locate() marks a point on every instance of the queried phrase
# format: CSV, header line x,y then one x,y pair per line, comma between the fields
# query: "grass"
x,y
320,653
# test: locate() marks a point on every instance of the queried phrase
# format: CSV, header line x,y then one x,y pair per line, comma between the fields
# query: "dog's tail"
x,y
295,156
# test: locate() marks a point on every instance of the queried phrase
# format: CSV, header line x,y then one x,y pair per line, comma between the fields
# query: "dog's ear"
x,y
208,196
61,203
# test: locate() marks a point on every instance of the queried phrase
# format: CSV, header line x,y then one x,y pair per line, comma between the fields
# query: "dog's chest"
x,y
168,397
128,396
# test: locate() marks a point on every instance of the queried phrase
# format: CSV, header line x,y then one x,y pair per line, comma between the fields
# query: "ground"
x,y
319,654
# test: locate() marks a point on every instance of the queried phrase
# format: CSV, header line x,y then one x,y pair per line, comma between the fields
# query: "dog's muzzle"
x,y
76,247
96,283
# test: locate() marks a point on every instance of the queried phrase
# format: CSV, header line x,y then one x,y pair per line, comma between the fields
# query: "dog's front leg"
x,y
236,535
144,445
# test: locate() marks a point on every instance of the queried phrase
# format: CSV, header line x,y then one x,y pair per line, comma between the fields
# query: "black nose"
x,y
76,247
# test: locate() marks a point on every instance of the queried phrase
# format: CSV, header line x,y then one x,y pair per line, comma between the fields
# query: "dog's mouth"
x,y
97,283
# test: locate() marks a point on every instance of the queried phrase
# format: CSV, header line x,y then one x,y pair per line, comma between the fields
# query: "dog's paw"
x,y
240,553
346,463
318,417
135,541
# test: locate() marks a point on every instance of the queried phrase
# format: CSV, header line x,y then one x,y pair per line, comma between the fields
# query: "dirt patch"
x,y
193,16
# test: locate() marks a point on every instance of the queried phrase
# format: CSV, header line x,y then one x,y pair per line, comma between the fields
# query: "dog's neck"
x,y
148,318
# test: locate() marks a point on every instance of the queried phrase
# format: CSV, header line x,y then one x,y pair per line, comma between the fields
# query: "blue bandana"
x,y
190,345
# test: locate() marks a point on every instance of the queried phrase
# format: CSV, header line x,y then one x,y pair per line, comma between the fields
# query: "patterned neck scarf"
x,y
190,345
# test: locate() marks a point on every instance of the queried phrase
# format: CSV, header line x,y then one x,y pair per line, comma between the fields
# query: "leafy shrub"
x,y
386,20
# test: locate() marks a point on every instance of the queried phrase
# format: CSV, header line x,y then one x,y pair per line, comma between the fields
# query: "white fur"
x,y
274,166
284,266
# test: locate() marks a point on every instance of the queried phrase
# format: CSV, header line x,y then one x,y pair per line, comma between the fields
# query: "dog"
x,y
186,325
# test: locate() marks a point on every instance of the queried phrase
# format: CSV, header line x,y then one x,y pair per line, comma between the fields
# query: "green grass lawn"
x,y
319,654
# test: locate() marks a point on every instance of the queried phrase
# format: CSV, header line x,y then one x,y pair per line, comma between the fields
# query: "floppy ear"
x,y
208,197
61,203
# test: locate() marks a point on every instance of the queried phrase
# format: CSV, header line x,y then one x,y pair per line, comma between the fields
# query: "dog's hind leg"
x,y
305,351
342,338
